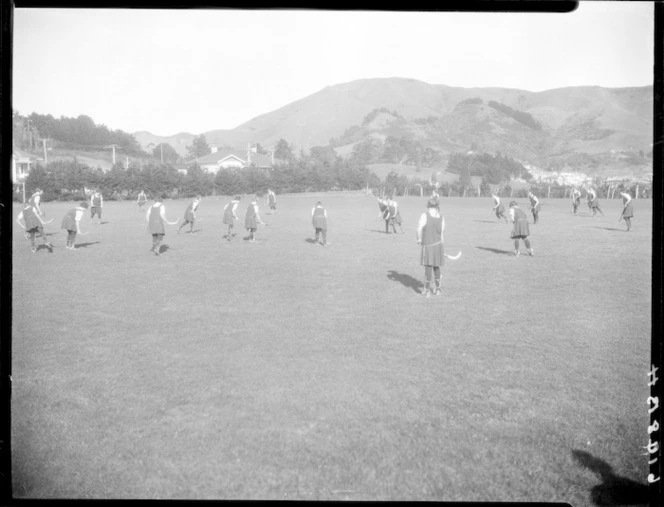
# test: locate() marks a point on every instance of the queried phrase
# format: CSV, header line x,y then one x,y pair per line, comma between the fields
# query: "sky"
x,y
171,71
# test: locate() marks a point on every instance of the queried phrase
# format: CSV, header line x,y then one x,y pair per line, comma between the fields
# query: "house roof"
x,y
256,158
24,155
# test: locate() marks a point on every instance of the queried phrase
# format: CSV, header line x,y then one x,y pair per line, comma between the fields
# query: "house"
x,y
234,159
20,166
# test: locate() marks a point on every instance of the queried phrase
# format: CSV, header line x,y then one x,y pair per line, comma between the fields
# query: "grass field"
x,y
285,370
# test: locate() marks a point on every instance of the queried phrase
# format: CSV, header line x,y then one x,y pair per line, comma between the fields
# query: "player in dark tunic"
x,y
272,201
71,223
319,220
534,206
230,216
96,204
499,208
594,202
156,217
627,211
432,256
520,229
395,215
190,214
252,219
142,199
33,225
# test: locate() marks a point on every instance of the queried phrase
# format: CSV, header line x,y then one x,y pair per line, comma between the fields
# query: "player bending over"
x,y
520,229
230,217
71,223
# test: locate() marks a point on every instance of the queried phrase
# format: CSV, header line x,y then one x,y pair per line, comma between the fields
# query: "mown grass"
x,y
283,369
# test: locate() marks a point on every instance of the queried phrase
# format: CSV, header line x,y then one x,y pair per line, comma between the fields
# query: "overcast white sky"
x,y
198,70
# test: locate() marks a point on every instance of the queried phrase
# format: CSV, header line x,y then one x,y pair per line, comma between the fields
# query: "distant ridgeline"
x,y
80,133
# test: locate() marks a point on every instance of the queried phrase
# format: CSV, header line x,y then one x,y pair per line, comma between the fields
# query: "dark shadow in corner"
x,y
495,250
405,280
614,490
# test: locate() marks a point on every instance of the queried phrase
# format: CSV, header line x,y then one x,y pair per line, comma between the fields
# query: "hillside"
x,y
179,142
583,127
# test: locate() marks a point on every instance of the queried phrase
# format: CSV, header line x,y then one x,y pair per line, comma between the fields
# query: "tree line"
x,y
68,180
80,133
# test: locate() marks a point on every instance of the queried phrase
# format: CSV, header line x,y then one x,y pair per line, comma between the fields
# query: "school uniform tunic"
x,y
432,242
250,218
69,220
155,222
228,212
31,219
142,198
520,229
629,209
319,219
189,212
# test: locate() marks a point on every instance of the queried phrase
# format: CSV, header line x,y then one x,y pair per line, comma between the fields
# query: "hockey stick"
x,y
49,221
453,257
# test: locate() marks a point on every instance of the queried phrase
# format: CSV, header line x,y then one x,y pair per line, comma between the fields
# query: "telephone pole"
x,y
45,155
113,146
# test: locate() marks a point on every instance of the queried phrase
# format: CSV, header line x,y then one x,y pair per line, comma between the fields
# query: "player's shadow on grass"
x,y
85,245
614,490
605,228
163,249
376,230
495,250
405,280
489,221
311,241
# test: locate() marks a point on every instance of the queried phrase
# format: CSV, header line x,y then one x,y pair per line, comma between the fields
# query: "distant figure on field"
x,y
319,220
71,223
387,216
589,198
576,199
156,217
395,215
252,219
430,229
520,229
627,211
142,199
272,201
499,208
190,214
594,202
33,225
230,216
96,203
534,206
